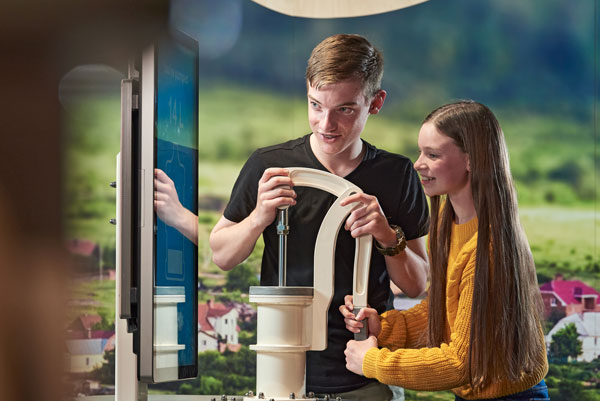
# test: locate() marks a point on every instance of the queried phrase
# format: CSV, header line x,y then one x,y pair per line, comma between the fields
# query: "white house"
x,y
85,355
216,322
588,327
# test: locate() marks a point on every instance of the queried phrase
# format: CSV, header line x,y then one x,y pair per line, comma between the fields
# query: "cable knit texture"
x,y
404,363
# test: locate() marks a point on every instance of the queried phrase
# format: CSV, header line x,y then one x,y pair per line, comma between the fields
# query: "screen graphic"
x,y
176,154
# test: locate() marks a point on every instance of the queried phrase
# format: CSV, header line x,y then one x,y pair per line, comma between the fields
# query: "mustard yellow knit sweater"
x,y
444,367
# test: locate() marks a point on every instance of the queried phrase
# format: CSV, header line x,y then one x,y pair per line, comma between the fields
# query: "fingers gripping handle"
x,y
363,334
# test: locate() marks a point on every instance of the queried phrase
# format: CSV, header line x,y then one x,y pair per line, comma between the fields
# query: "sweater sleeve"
x,y
403,329
428,369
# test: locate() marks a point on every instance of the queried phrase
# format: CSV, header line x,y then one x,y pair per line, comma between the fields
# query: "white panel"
x,y
335,8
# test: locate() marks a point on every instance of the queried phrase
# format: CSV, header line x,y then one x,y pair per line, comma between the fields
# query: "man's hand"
x,y
166,202
355,322
368,218
274,190
170,210
355,353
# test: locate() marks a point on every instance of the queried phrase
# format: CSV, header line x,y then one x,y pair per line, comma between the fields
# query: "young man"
x,y
343,80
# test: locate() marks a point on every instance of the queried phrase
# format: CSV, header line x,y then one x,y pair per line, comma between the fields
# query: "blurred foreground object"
x,y
32,296
335,8
39,42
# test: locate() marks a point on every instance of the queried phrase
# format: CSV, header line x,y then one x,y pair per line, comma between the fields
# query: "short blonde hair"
x,y
345,56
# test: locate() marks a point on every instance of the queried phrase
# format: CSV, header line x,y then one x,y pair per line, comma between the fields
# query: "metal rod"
x,y
282,230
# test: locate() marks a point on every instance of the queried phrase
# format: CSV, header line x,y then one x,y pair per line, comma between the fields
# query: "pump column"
x,y
283,230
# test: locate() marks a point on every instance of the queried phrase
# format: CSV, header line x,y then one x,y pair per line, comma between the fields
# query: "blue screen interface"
x,y
176,193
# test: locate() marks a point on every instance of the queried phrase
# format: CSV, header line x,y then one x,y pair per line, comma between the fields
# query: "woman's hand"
x,y
355,322
355,353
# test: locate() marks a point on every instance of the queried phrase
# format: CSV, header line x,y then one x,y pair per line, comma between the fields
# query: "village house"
x,y
588,328
85,347
217,327
566,297
86,254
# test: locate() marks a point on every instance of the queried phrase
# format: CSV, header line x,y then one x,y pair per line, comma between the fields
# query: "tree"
x,y
566,343
241,278
106,373
570,390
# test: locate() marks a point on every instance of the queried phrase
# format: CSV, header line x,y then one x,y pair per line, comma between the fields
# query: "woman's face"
x,y
443,166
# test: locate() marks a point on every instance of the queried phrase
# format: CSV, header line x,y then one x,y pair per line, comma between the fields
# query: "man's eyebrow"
x,y
347,104
313,99
337,105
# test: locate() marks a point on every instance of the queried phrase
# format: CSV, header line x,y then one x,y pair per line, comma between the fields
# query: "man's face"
x,y
337,114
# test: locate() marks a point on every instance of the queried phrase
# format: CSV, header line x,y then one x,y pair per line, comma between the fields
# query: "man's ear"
x,y
377,102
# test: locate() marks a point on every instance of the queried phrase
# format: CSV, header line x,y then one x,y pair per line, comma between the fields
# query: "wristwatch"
x,y
400,243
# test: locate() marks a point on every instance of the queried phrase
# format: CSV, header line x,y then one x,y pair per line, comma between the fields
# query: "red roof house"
x,y
82,247
84,323
217,323
566,297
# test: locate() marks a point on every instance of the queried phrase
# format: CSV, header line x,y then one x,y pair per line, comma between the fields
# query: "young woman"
x,y
478,333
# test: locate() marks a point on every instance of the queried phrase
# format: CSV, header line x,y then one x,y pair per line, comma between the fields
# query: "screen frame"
x,y
147,371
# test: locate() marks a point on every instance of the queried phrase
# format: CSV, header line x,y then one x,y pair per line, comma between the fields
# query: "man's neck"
x,y
343,163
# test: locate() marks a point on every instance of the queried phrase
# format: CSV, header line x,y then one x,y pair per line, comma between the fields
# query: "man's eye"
x,y
346,110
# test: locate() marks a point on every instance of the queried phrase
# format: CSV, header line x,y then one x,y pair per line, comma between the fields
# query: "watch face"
x,y
400,243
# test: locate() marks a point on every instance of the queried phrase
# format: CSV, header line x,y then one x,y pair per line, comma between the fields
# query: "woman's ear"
x,y
468,163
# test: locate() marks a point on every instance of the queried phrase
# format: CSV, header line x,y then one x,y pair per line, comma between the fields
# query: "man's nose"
x,y
327,123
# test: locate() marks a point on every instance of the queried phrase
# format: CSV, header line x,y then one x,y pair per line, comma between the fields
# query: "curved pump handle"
x,y
324,257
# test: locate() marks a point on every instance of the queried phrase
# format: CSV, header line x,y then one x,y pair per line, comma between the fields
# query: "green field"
x,y
552,161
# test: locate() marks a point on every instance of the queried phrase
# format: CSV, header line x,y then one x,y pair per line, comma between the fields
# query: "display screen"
x,y
176,206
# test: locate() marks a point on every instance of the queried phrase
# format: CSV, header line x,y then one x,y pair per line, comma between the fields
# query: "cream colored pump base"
x,y
283,314
293,320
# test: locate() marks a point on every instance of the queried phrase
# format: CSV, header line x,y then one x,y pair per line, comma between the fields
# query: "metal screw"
x,y
223,397
338,398
311,394
326,397
113,184
250,393
113,221
292,396
261,395
213,399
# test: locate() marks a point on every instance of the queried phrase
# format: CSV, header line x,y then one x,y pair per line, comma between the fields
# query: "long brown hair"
x,y
505,315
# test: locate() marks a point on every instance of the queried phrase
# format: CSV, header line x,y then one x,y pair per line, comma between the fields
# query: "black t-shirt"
x,y
389,177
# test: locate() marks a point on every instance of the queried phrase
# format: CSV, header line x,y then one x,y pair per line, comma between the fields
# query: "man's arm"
x,y
409,269
231,243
